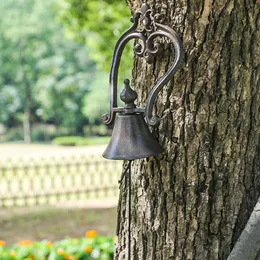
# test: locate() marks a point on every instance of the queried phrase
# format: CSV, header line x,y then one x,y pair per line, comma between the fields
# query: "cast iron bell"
x,y
131,138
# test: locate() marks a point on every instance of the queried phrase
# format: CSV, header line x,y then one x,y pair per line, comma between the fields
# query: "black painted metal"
x,y
147,30
131,138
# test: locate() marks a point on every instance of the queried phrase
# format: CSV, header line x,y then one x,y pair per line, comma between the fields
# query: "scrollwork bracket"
x,y
146,29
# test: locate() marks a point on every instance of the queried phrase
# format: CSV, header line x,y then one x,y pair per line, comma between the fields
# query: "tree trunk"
x,y
27,96
27,126
27,111
193,201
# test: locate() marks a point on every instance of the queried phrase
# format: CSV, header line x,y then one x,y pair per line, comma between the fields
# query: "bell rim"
x,y
142,144
128,158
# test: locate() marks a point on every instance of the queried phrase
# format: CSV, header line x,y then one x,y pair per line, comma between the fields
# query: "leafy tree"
x,y
96,102
19,38
98,23
43,74
64,81
10,105
10,101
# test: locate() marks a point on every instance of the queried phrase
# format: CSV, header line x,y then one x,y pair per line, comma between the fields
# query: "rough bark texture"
x,y
193,201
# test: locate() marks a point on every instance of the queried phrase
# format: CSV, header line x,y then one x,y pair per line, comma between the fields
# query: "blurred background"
x,y
55,57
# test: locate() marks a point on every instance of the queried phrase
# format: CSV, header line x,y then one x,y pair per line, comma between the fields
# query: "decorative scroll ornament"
x,y
146,29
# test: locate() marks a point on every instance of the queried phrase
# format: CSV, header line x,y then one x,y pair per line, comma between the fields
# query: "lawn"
x,y
55,223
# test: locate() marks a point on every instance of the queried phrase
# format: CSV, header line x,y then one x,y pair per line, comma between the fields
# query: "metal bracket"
x,y
146,29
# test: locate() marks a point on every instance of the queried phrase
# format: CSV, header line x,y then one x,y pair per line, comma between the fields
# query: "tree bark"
x,y
193,201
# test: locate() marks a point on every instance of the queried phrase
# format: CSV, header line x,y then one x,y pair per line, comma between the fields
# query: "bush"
x,y
100,130
80,141
89,248
14,134
93,140
39,133
66,140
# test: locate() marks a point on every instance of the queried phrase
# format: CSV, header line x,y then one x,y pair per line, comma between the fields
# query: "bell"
x,y
131,139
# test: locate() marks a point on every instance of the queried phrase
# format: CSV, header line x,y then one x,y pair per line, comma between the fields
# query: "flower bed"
x,y
90,247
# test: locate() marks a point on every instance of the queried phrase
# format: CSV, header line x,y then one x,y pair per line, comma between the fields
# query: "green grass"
x,y
80,141
55,224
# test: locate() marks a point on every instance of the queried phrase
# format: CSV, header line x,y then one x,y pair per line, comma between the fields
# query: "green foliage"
x,y
10,104
80,141
50,78
66,140
96,102
40,133
15,133
99,23
96,130
64,82
97,247
41,70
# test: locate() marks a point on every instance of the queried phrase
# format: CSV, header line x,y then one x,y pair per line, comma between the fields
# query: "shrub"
x,y
93,140
89,248
14,134
80,141
66,140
